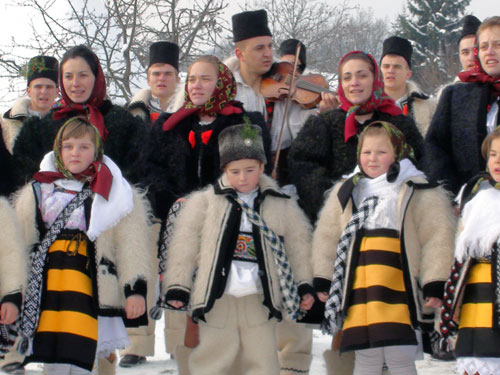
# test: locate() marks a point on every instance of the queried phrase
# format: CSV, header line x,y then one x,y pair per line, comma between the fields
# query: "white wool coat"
x,y
13,267
126,245
427,225
199,242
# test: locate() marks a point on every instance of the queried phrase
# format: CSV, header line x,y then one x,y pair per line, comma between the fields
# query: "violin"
x,y
308,88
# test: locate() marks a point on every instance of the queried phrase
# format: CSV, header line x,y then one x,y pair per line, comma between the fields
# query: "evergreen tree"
x,y
433,27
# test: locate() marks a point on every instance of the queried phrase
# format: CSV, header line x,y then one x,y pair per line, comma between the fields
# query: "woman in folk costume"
x,y
182,155
472,293
83,91
395,239
467,112
325,148
88,229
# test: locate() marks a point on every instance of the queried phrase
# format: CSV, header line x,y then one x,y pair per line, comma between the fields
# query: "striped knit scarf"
x,y
333,316
32,302
288,286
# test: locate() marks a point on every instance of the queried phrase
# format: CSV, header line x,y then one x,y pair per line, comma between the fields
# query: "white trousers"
x,y
400,359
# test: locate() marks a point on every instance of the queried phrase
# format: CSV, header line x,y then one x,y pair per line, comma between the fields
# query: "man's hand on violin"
x,y
328,102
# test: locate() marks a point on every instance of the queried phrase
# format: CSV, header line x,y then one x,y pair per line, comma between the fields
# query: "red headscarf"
x,y
91,107
97,173
478,74
221,102
379,100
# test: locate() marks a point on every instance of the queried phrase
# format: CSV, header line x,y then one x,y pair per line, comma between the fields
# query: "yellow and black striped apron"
x,y
476,335
67,328
378,313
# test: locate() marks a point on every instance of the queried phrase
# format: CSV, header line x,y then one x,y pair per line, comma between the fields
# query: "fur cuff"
x,y
321,285
140,287
434,289
15,298
177,295
304,289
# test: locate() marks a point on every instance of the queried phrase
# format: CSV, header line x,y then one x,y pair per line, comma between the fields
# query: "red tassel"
x,y
191,139
205,136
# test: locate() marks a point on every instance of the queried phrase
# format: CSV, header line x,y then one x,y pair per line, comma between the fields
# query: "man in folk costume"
x,y
149,104
42,91
395,66
466,42
252,62
163,77
253,59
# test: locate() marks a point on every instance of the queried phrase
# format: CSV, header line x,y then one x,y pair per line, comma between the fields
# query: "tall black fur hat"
x,y
289,47
242,141
396,45
471,24
250,24
164,53
43,67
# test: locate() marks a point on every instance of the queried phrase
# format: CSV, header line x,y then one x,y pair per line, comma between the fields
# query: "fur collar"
x,y
414,91
480,217
143,96
266,186
19,109
104,214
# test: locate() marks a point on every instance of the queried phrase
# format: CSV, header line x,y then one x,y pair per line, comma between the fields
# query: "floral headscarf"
x,y
478,74
91,107
221,102
97,173
379,100
402,149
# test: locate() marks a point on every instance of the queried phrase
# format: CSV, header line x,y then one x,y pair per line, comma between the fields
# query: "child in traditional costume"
x,y
88,229
12,273
472,293
380,250
246,241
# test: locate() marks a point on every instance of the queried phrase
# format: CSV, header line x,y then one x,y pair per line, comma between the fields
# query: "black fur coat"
x,y
319,156
173,168
457,130
36,138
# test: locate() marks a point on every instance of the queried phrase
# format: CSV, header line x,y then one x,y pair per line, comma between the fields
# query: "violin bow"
x,y
287,103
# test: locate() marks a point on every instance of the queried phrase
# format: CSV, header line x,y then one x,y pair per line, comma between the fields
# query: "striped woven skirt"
x,y
476,335
67,328
378,313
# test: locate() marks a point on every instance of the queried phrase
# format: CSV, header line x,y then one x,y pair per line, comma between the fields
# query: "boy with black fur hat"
x,y
395,66
247,241
42,91
163,77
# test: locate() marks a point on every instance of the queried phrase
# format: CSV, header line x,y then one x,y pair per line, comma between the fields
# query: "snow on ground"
x,y
162,364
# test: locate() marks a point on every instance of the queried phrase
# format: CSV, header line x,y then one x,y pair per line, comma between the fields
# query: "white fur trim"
x,y
104,214
480,218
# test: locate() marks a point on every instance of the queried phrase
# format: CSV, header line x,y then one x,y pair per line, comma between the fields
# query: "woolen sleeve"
x,y
309,161
438,163
325,240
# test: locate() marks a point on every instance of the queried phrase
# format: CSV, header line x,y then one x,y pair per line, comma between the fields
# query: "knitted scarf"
x,y
91,107
288,286
33,295
333,307
378,100
221,102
